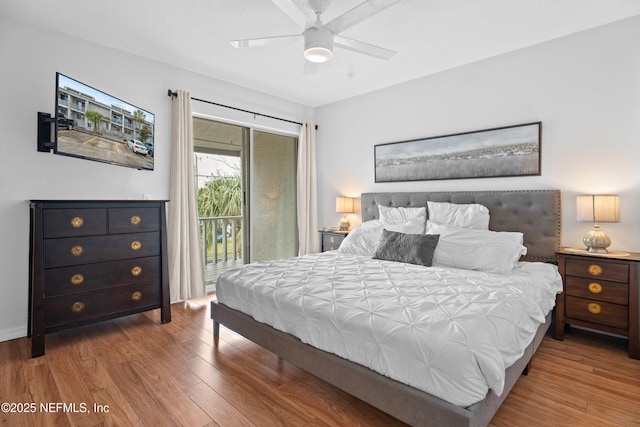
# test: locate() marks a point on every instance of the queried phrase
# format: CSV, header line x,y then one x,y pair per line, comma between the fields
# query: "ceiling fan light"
x,y
318,44
318,54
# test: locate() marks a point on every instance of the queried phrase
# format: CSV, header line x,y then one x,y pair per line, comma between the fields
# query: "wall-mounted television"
x,y
94,125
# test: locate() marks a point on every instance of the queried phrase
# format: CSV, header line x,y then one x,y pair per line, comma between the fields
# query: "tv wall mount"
x,y
45,120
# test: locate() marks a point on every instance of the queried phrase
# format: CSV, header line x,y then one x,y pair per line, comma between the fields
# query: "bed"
x,y
535,213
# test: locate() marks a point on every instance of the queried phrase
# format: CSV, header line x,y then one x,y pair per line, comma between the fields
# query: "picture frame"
x,y
506,151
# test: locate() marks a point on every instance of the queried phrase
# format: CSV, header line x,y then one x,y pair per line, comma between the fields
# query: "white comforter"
x,y
446,331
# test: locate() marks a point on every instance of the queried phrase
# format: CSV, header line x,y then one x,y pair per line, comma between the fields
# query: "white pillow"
x,y
473,215
483,250
364,240
389,214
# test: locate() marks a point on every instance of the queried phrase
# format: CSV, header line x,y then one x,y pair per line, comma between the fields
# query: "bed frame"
x,y
535,213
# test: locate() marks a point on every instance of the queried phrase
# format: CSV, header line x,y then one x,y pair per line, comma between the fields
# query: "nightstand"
x,y
601,293
331,240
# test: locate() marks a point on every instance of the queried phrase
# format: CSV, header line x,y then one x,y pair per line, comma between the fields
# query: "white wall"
x,y
585,88
30,59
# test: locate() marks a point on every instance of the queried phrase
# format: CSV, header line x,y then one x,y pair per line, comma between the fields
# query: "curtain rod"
x,y
173,94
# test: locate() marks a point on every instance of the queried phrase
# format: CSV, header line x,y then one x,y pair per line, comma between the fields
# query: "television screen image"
x,y
93,125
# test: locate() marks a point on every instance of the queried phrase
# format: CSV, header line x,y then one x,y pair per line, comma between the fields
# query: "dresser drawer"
x,y
73,222
601,290
82,250
91,277
67,309
602,313
133,220
604,270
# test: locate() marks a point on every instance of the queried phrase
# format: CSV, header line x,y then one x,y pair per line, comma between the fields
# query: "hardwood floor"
x,y
135,371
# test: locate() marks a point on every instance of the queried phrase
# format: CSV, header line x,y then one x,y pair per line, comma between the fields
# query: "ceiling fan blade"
x,y
358,14
262,41
362,47
297,11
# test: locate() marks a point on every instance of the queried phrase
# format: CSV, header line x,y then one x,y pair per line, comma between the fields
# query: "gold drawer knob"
x,y
77,307
136,296
135,220
332,239
77,250
77,279
595,287
77,222
594,308
135,245
595,270
136,271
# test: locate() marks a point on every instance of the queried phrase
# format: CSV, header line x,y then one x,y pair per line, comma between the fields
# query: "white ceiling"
x,y
429,36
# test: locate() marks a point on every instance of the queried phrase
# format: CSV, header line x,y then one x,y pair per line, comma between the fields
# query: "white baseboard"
x,y
11,334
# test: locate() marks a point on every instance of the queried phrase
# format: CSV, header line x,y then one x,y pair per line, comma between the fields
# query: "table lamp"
x,y
598,208
344,205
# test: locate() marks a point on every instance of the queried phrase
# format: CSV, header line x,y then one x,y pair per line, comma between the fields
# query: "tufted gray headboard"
x,y
535,213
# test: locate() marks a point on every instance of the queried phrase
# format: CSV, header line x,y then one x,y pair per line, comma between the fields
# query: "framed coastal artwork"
x,y
497,152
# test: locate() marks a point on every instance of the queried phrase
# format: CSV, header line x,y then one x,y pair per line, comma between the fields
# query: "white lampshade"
x,y
598,208
344,204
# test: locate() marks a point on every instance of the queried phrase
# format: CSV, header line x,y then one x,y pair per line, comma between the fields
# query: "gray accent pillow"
x,y
409,248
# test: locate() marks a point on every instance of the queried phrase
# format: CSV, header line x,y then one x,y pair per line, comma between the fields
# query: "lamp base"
x,y
597,241
344,224
593,250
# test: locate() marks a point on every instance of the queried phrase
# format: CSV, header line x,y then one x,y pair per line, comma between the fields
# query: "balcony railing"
x,y
220,239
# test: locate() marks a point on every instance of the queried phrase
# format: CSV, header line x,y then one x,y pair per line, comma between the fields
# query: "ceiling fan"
x,y
319,38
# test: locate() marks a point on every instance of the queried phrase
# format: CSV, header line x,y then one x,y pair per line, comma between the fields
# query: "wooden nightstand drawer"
x,y
603,313
600,268
73,222
91,277
600,290
104,303
331,241
82,250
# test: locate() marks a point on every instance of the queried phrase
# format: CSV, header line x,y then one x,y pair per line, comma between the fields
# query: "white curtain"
x,y
186,276
309,241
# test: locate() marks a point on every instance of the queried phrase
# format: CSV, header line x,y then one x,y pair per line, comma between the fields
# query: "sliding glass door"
x,y
218,169
246,194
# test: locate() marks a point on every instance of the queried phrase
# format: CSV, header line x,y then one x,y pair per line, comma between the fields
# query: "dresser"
x,y
331,240
600,293
95,260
